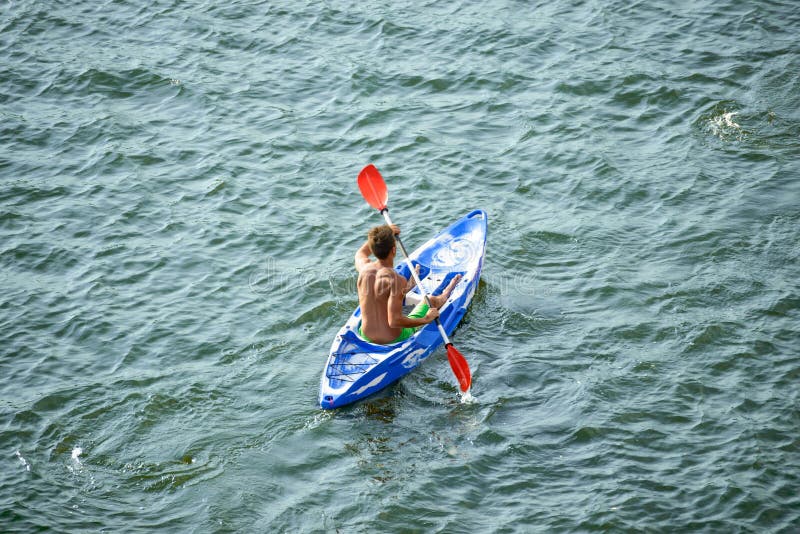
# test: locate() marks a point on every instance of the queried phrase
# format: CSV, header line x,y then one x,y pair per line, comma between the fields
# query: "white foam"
x,y
724,127
24,461
727,119
467,398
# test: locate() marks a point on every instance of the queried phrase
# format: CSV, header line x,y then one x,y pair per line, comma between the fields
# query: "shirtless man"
x,y
381,291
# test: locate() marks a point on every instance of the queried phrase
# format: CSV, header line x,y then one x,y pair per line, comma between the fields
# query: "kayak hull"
x,y
356,368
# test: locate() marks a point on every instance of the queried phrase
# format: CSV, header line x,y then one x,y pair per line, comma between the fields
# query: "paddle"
x,y
374,191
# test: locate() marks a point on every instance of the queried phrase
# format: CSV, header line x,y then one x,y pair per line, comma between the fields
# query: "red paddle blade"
x,y
460,367
372,187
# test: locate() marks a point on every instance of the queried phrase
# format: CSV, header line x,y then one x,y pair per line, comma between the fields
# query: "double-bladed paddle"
x,y
374,191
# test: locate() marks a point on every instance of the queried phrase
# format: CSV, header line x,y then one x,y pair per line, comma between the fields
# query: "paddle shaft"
x,y
385,213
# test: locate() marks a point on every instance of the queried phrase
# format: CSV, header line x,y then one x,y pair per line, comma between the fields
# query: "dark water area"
x,y
179,214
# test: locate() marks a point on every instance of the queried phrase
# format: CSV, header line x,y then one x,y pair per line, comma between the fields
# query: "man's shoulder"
x,y
391,277
373,270
368,268
388,272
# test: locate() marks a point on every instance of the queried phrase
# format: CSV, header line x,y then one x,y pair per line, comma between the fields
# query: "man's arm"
x,y
395,304
362,256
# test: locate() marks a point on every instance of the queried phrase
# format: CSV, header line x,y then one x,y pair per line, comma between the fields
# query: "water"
x,y
179,212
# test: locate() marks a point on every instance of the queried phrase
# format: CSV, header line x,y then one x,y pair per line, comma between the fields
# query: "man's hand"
x,y
395,229
432,315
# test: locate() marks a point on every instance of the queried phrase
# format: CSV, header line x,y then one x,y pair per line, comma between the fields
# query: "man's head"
x,y
381,241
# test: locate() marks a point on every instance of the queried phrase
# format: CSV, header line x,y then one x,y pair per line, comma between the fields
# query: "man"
x,y
381,291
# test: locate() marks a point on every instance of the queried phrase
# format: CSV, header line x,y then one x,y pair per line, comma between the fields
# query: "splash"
x,y
23,461
76,466
724,126
726,120
467,398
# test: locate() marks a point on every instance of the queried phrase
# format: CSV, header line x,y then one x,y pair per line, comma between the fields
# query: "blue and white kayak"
x,y
357,368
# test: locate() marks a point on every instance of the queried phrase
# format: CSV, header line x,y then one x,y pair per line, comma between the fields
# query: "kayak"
x,y
357,368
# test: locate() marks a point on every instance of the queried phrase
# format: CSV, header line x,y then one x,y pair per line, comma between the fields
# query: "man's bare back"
x,y
375,285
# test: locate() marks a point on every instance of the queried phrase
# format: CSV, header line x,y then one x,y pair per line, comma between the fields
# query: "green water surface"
x,y
179,214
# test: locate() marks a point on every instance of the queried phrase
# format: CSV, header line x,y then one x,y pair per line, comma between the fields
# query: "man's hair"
x,y
381,241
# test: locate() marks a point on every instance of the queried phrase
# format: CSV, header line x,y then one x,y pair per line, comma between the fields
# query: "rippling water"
x,y
178,216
